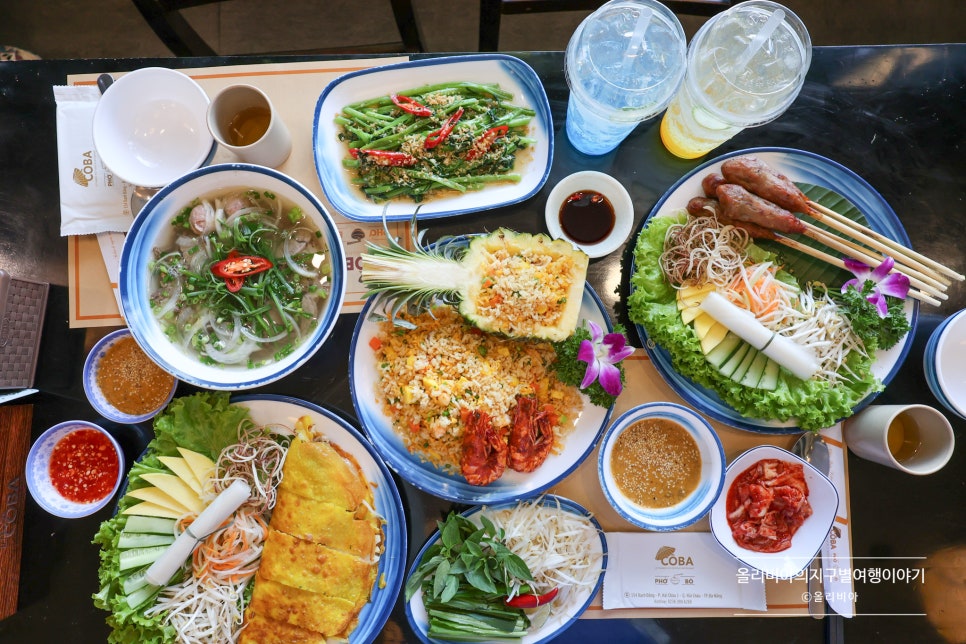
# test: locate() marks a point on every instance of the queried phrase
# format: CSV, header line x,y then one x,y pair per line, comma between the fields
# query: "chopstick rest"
x,y
676,570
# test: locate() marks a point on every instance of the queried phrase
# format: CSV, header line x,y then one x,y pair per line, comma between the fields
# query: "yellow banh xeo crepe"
x,y
316,568
260,629
326,523
330,616
320,556
317,470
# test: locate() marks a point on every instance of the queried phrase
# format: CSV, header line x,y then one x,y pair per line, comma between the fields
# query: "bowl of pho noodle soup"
x,y
232,276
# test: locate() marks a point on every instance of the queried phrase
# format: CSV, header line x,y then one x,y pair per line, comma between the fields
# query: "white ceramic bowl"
x,y
943,363
38,472
96,396
152,227
605,185
150,126
697,504
806,542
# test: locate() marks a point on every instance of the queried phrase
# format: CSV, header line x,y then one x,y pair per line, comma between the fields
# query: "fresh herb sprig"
x,y
466,577
571,370
875,331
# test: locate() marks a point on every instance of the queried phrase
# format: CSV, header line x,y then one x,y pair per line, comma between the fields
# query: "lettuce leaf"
x,y
813,404
205,422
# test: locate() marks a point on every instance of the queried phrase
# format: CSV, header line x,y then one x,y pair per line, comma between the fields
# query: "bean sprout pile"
x,y
562,550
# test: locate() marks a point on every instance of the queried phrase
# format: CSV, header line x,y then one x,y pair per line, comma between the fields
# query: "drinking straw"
x,y
637,38
756,43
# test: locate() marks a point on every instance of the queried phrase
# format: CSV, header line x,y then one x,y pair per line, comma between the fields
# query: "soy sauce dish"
x,y
592,211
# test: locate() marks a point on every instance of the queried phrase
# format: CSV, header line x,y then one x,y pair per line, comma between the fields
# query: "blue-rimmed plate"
x,y
388,504
801,167
556,624
363,382
511,74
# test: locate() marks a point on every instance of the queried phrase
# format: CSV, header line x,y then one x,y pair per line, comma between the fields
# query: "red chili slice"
x,y
532,601
484,142
410,105
385,157
235,268
435,138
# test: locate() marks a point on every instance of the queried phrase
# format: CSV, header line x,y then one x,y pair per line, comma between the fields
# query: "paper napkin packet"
x,y
676,570
92,198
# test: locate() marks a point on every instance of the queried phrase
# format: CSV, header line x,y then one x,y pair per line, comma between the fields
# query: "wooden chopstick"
x,y
868,257
835,261
880,242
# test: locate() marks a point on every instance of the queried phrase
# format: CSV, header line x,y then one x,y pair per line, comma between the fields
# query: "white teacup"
x,y
243,120
149,127
916,439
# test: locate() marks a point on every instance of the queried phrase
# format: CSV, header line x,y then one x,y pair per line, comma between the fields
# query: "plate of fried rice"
x,y
413,387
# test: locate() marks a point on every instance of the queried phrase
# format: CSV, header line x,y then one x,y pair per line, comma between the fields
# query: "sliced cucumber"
x,y
141,595
153,525
755,370
718,356
129,540
135,580
769,379
735,359
137,557
750,356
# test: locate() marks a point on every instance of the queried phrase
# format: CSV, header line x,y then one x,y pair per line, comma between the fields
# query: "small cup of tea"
x,y
243,120
916,439
592,211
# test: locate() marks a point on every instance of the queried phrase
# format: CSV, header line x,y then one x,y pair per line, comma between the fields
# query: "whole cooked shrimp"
x,y
484,449
531,434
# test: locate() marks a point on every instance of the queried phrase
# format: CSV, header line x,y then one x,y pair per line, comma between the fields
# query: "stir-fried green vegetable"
x,y
449,136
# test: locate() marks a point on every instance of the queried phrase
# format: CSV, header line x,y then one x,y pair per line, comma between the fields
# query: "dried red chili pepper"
x,y
484,142
532,601
385,157
235,268
407,104
435,138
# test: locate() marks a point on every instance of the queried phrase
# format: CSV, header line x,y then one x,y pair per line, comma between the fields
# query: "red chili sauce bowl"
x,y
74,469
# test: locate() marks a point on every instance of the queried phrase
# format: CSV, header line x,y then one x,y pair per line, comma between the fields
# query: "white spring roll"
x,y
207,522
796,358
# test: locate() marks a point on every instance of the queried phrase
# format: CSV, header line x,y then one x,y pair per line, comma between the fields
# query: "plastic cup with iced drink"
x,y
745,68
623,64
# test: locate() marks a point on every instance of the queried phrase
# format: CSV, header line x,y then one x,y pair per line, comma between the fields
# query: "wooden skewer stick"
x,y
863,252
866,257
818,210
835,261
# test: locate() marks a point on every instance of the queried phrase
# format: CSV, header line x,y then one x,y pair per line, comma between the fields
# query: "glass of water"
x,y
623,64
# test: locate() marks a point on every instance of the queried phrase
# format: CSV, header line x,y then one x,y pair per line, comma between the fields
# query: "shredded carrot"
x,y
756,289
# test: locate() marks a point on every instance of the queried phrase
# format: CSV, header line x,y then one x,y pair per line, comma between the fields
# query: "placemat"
x,y
294,89
644,384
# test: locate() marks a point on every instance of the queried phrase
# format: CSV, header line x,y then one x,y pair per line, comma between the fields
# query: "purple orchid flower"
x,y
601,353
884,282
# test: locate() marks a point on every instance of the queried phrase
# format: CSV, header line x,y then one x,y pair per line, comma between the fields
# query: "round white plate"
x,y
553,627
802,167
265,409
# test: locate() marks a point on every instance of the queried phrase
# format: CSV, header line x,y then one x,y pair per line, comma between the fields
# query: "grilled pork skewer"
x,y
758,178
703,206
